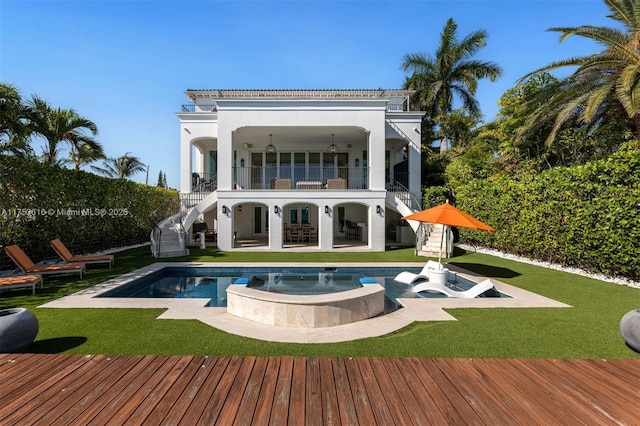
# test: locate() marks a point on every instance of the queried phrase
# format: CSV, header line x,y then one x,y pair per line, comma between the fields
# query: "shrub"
x,y
583,216
39,202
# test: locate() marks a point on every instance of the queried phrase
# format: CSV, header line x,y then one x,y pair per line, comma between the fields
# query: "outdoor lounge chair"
x,y
67,257
15,281
407,277
474,291
20,258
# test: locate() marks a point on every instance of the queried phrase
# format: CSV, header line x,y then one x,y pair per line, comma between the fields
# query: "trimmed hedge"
x,y
89,213
583,216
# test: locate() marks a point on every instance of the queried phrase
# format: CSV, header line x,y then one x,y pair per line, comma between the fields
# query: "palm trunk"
x,y
443,145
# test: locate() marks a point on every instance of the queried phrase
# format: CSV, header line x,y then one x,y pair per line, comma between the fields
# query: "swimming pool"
x,y
212,282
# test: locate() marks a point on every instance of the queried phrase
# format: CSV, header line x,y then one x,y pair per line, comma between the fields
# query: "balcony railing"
x,y
300,177
199,108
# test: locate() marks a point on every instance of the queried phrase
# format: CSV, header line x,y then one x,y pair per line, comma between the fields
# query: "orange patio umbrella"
x,y
446,214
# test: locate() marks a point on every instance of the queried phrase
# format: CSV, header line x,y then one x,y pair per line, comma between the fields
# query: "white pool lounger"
x,y
407,277
474,291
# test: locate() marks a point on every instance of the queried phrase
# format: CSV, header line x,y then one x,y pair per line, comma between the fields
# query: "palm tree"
x,y
605,84
121,167
14,118
450,73
84,153
58,125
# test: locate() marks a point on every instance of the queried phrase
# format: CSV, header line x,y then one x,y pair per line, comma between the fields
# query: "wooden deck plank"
x,y
554,393
450,390
32,373
376,394
489,396
174,393
219,393
297,400
116,383
524,393
330,408
146,399
154,390
153,400
42,390
585,390
313,392
435,396
346,405
424,401
200,401
229,410
280,408
136,390
252,393
362,403
267,392
86,395
386,381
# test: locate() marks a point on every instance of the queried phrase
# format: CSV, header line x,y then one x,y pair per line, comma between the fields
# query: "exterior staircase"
x,y
168,238
430,237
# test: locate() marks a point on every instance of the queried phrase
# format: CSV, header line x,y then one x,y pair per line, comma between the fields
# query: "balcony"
x,y
300,178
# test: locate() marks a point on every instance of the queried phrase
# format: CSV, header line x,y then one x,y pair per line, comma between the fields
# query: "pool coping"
x,y
413,309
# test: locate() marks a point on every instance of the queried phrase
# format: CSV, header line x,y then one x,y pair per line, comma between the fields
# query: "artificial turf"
x,y
590,329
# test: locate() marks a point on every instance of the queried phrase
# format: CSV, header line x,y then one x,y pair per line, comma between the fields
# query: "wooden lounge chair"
x,y
20,258
67,257
15,281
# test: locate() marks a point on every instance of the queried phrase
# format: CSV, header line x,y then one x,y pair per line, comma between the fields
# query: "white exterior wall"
x,y
233,115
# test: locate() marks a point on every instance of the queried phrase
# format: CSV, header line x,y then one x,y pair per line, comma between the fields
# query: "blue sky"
x,y
126,64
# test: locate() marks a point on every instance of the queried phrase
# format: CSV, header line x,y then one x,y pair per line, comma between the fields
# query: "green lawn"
x,y
588,330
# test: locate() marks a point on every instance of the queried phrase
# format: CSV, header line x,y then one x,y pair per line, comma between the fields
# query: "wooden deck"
x,y
118,390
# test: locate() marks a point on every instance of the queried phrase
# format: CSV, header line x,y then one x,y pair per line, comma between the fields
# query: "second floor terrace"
x,y
281,178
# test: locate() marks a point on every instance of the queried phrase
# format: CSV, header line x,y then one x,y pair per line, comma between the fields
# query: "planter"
x,y
630,329
18,329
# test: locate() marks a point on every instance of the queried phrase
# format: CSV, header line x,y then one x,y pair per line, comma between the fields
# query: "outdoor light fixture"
x,y
225,210
357,162
326,209
379,209
270,149
333,149
276,209
242,162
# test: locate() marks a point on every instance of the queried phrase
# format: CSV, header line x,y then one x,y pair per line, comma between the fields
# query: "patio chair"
x,y
474,291
407,277
15,281
20,258
67,257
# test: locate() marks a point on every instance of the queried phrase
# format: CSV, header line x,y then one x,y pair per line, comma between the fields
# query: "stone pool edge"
x,y
414,309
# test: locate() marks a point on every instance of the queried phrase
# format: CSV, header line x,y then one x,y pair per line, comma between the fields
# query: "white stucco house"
x,y
296,170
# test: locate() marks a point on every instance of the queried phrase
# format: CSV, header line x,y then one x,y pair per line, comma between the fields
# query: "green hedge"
x,y
89,213
583,216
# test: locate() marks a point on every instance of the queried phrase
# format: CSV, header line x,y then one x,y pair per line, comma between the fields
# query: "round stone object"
x,y
630,329
18,329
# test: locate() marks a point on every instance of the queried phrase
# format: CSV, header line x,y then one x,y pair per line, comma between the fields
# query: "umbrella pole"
x,y
444,229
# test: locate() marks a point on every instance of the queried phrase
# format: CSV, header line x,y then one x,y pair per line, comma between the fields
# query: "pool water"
x,y
212,283
305,284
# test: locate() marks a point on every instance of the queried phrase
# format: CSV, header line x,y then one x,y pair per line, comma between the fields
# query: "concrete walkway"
x,y
413,309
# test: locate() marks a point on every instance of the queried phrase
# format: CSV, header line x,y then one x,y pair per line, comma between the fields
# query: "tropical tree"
x,y
83,153
604,86
450,73
121,167
57,125
14,118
